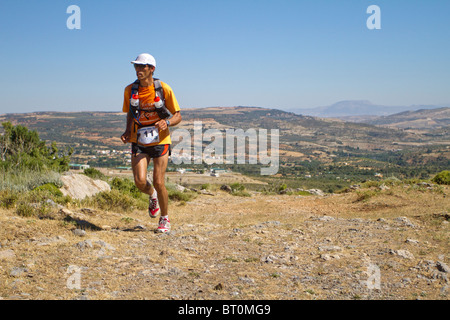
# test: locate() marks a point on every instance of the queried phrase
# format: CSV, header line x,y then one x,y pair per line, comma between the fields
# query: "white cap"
x,y
145,58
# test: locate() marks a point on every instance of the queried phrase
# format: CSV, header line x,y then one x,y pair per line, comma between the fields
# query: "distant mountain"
x,y
348,108
423,119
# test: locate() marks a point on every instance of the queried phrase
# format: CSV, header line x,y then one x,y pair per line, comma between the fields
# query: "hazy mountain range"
x,y
349,108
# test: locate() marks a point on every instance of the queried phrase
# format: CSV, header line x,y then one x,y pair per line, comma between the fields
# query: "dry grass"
x,y
225,240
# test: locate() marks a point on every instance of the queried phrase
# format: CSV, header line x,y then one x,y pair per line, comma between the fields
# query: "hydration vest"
x,y
136,111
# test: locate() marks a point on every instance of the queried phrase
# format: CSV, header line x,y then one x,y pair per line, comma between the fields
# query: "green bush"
x,y
127,186
8,199
48,191
442,177
26,210
38,210
238,189
94,173
205,186
23,149
176,195
114,200
237,186
50,188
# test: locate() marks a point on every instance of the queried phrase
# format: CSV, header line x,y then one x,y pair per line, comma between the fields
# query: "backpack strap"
x,y
160,93
135,111
158,89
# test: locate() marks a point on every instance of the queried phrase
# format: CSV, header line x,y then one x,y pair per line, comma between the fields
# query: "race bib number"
x,y
148,135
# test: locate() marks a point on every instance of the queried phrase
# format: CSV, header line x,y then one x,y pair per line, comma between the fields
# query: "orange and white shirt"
x,y
146,99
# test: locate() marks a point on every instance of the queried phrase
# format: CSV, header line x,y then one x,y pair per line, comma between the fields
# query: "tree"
x,y
21,148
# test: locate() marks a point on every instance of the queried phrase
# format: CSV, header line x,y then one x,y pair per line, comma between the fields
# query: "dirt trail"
x,y
392,246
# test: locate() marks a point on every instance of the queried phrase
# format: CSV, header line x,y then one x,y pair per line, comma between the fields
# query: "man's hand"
x,y
161,125
125,137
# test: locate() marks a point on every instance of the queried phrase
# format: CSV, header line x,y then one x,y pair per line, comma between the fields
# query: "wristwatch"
x,y
168,122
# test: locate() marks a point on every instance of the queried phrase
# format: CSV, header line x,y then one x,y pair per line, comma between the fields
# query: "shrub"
x,y
26,210
50,188
238,189
94,173
48,191
365,195
237,186
442,177
113,200
176,195
205,186
25,180
8,199
23,149
127,186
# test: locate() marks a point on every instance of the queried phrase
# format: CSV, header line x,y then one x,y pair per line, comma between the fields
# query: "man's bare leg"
x,y
139,163
159,172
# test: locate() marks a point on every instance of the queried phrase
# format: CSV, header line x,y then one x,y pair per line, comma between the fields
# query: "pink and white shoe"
x,y
164,224
153,207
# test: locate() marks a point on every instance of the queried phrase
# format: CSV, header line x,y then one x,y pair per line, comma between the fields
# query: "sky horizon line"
x,y
435,106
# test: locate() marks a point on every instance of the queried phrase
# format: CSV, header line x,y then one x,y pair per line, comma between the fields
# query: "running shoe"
x,y
153,207
164,224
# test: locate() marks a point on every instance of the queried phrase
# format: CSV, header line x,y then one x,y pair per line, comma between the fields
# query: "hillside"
x,y
387,243
354,108
309,146
424,120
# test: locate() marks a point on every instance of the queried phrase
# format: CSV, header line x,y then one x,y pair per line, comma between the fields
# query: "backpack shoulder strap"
x,y
158,88
135,111
135,87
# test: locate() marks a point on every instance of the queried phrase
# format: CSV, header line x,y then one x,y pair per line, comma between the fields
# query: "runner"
x,y
148,132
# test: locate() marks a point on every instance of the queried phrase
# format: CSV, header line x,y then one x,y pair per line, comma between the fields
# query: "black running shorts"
x,y
153,151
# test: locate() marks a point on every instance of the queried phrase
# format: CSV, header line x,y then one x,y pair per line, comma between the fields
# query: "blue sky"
x,y
278,54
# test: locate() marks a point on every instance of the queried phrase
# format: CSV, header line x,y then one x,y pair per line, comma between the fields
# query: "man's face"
x,y
143,71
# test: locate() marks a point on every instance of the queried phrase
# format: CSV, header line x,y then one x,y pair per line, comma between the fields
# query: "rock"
x,y
7,254
80,186
247,280
106,245
17,272
226,188
326,218
179,188
383,187
84,244
268,259
79,232
330,248
316,192
206,192
328,257
405,221
52,203
442,267
402,253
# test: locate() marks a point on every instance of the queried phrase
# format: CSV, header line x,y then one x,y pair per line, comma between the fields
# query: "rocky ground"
x,y
393,245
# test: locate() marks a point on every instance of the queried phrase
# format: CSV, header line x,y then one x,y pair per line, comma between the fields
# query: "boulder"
x,y
79,186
